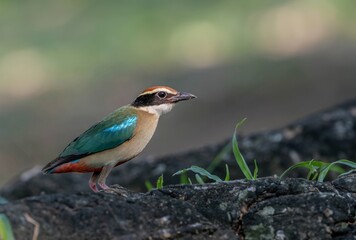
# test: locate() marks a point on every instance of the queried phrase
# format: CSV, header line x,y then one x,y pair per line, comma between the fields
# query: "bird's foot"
x,y
103,186
93,187
117,189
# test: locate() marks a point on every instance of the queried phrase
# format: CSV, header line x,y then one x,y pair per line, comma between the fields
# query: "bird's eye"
x,y
161,94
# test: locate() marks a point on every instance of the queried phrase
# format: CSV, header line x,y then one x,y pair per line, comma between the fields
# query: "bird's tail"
x,y
68,164
51,166
48,169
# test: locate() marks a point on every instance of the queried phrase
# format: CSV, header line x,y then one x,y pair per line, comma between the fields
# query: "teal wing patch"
x,y
114,130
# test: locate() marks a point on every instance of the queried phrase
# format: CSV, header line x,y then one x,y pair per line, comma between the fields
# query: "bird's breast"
x,y
145,128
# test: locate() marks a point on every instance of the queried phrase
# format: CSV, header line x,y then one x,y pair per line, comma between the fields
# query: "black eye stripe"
x,y
152,99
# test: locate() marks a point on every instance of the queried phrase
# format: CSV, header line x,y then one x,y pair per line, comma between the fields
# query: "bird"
x,y
118,138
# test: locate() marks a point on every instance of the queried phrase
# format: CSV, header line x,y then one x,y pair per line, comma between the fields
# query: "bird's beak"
x,y
182,96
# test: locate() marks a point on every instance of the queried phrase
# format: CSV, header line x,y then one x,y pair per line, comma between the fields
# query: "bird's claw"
x,y
116,190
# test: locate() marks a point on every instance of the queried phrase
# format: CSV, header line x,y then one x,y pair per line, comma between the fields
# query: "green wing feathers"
x,y
112,131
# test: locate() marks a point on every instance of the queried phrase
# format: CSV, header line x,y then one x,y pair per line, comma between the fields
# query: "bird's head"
x,y
160,99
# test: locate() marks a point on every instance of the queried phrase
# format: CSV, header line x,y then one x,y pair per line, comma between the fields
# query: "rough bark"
x,y
268,208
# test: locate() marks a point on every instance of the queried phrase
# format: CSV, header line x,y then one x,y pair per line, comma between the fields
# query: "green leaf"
x,y
205,173
238,156
227,176
255,172
148,185
307,164
159,184
199,179
190,181
5,228
325,171
200,171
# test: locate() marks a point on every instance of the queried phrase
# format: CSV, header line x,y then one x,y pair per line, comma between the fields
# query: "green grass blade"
x,y
311,173
255,172
199,179
318,169
314,168
227,176
190,181
315,176
148,185
159,184
325,171
307,164
238,156
348,172
5,228
239,124
200,171
180,172
337,169
183,178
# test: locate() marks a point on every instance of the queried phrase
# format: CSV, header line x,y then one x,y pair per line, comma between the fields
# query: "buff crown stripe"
x,y
157,89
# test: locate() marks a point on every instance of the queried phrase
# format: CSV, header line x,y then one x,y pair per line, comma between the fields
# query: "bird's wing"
x,y
112,131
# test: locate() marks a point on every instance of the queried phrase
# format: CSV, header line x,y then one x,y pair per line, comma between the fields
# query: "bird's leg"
x,y
92,181
104,174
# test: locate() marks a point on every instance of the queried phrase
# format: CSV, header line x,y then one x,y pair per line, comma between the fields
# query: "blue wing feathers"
x,y
125,124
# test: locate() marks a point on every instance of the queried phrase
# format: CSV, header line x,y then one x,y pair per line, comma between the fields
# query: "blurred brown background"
x,y
65,64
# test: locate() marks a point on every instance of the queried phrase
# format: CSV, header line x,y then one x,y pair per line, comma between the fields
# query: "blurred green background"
x,y
65,64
